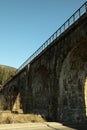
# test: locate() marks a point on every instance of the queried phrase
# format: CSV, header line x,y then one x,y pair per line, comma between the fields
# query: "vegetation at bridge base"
x,y
6,117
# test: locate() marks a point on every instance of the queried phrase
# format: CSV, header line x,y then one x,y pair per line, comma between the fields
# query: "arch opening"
x,y
73,85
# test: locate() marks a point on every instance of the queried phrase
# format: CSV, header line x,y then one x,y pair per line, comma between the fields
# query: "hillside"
x,y
6,72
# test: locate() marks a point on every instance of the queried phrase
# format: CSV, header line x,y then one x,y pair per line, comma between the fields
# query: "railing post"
x,y
60,31
64,26
79,13
56,34
73,18
86,6
68,22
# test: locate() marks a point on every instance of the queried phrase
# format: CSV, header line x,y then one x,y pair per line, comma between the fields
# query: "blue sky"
x,y
26,24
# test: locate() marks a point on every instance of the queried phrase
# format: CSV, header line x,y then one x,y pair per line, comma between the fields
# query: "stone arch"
x,y
72,84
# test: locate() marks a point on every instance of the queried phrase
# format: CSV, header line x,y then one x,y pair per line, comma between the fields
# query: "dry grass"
x,y
6,117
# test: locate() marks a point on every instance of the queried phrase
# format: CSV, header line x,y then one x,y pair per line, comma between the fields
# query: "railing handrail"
x,y
56,34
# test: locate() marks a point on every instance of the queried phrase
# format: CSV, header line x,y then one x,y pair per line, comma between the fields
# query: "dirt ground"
x,y
6,117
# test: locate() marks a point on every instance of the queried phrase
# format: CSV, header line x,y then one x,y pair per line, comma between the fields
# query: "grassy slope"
x,y
6,72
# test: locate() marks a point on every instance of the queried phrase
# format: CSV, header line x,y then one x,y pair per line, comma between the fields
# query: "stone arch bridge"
x,y
53,81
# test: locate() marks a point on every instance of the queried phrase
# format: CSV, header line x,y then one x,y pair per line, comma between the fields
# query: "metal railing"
x,y
82,10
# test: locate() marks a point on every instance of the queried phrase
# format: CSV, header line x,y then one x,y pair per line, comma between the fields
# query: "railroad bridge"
x,y
53,81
